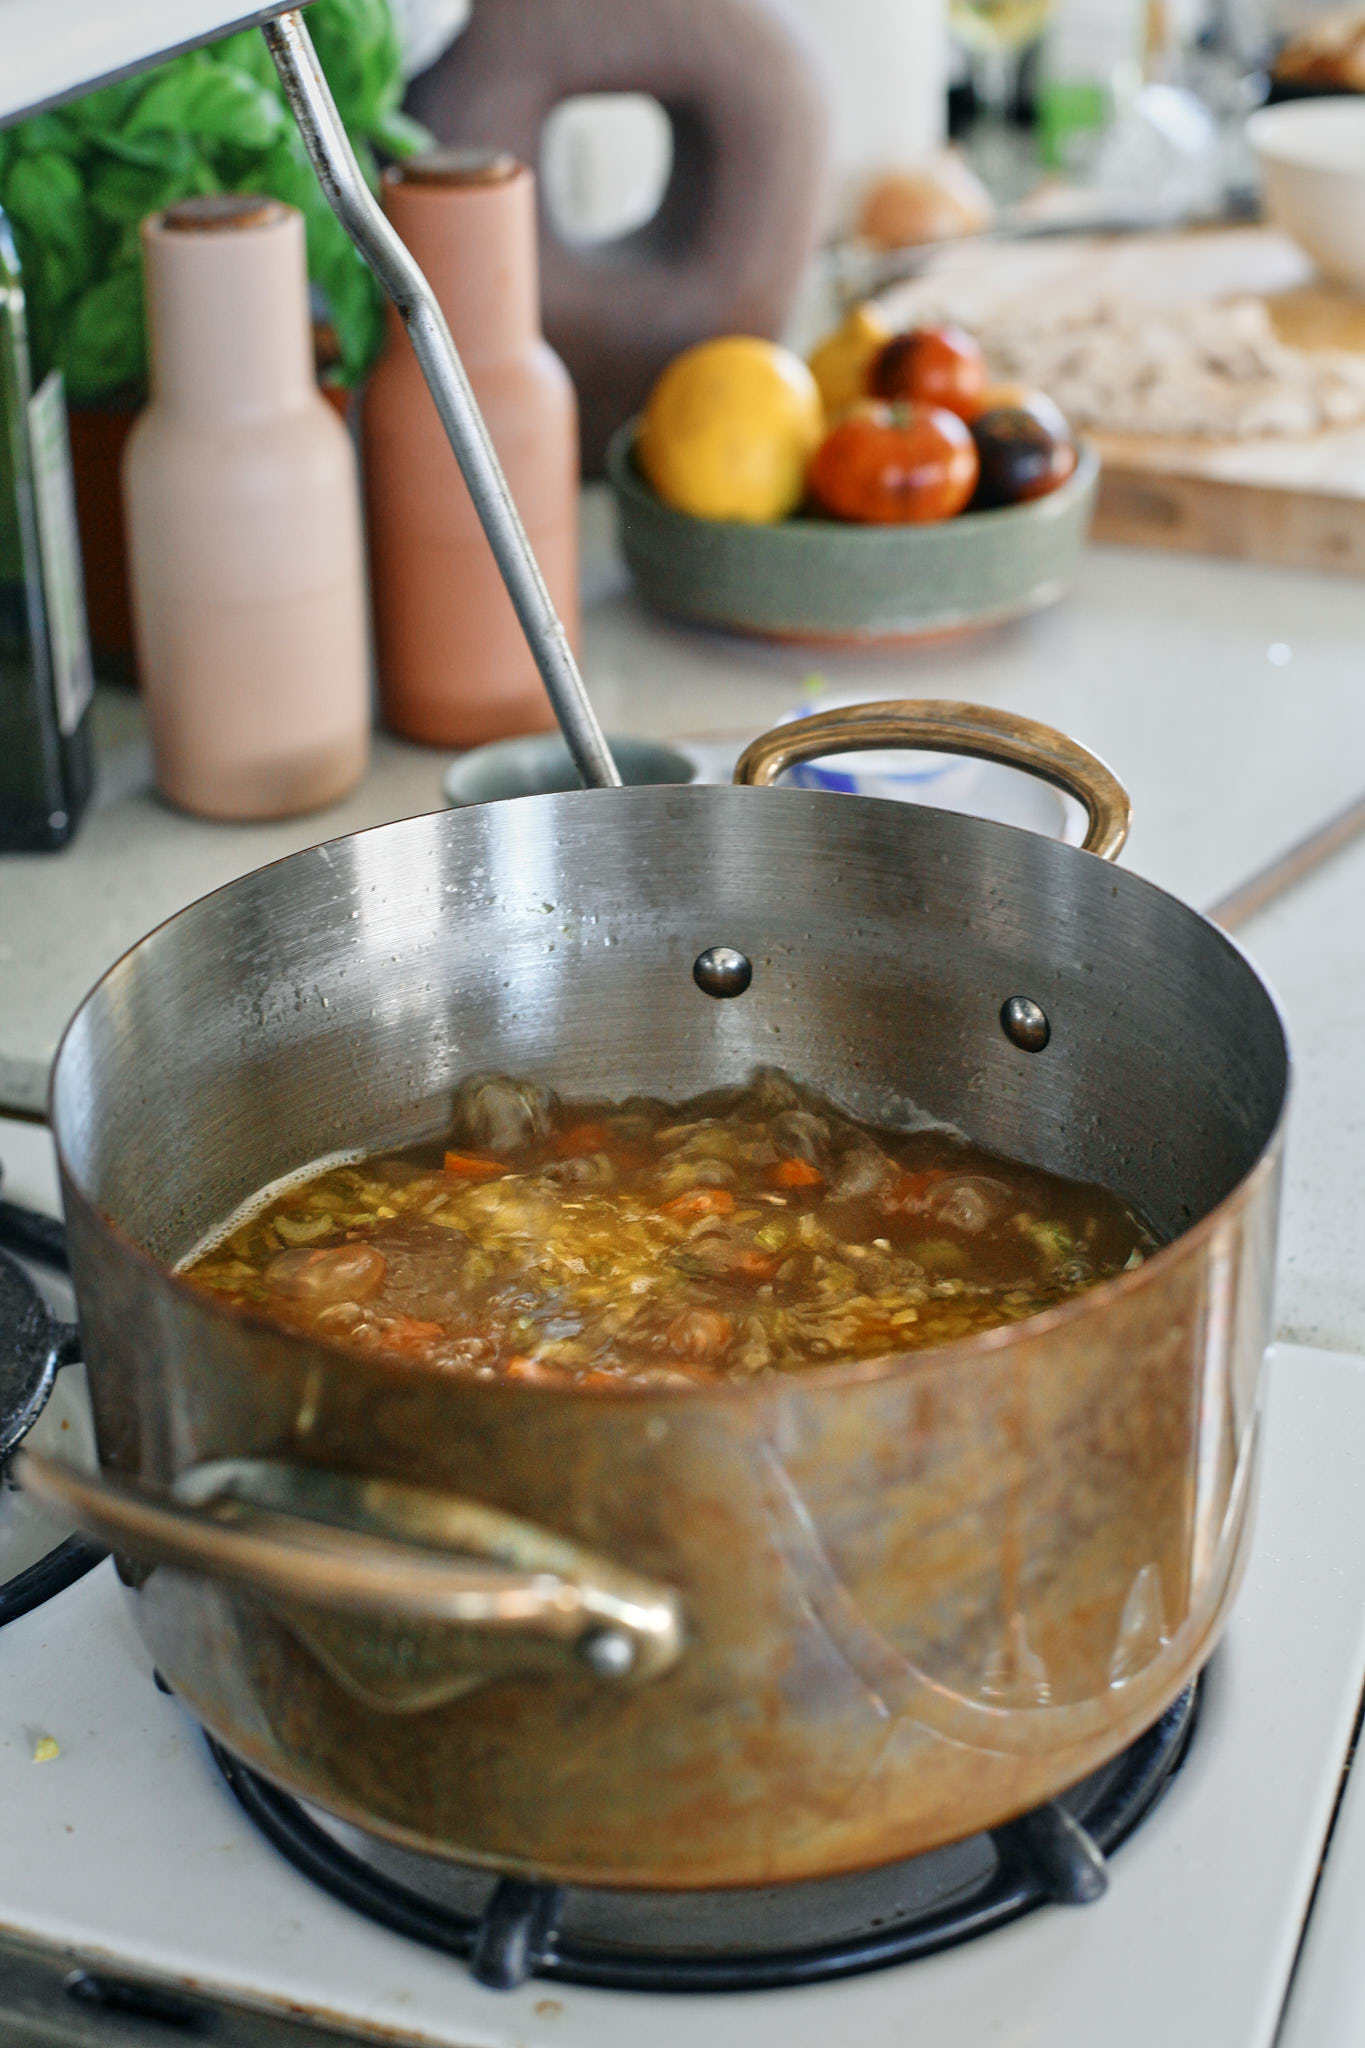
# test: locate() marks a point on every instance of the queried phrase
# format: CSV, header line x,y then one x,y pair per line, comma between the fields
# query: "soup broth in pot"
x,y
752,1231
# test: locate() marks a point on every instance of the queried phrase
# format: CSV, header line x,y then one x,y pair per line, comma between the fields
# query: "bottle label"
x,y
60,548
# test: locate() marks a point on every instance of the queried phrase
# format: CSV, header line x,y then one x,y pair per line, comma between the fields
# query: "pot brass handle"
x,y
331,1543
946,728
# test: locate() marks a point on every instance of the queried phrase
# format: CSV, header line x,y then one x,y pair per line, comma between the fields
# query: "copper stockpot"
x,y
664,1637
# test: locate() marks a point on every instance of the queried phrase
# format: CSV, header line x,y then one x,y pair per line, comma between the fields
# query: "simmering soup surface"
x,y
754,1230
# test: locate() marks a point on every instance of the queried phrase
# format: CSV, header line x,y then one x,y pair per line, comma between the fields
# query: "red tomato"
x,y
892,465
932,366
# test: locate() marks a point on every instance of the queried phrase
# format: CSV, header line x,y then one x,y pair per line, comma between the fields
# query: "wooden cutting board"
x,y
1298,502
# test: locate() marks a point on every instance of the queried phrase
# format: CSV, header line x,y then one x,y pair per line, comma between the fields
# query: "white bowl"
x,y
1312,158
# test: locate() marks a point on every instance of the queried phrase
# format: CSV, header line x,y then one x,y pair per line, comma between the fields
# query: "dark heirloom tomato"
x,y
893,465
1025,450
1024,398
932,366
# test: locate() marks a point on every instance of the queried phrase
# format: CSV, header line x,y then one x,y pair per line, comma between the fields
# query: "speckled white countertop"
x,y
1311,948
1228,696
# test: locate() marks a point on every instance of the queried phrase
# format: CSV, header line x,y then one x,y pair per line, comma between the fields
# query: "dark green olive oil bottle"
x,y
45,678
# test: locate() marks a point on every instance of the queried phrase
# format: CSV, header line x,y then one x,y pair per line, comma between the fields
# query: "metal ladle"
x,y
359,212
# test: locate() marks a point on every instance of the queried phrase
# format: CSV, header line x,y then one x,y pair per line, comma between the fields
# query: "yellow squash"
x,y
841,362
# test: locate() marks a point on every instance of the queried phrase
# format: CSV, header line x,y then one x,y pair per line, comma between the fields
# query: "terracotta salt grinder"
x,y
454,667
245,542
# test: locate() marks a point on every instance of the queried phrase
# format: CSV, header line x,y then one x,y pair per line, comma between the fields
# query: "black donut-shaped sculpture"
x,y
725,252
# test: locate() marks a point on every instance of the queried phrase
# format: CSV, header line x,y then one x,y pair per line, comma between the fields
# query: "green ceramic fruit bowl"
x,y
825,580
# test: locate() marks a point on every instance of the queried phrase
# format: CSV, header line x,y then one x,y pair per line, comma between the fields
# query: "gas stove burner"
x,y
33,1235
34,1346
38,1583
508,1930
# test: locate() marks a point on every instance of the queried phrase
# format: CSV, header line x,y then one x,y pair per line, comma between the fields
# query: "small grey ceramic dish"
x,y
539,764
830,581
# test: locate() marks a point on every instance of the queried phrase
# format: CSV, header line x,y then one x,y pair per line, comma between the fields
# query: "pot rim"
x,y
983,1344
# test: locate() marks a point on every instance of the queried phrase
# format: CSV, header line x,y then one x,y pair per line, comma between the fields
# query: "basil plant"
x,y
76,182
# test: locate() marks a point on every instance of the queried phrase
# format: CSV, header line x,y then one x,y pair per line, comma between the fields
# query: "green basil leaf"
x,y
124,193
285,173
236,108
355,307
103,111
212,102
160,149
165,94
43,132
45,194
358,49
247,51
104,345
58,241
397,134
354,299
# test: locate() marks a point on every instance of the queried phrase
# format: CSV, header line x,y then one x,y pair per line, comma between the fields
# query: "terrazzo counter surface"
x,y
1311,949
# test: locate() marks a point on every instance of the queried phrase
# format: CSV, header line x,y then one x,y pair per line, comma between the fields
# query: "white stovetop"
x,y
133,1850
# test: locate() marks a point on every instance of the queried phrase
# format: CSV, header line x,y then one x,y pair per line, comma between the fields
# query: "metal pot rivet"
x,y
608,1652
1025,1024
722,971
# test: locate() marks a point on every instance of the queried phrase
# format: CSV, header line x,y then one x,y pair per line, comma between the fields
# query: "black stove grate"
x,y
1054,1855
34,1346
38,1583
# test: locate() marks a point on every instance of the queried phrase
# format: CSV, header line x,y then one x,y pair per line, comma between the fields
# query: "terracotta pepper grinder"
x,y
454,667
245,542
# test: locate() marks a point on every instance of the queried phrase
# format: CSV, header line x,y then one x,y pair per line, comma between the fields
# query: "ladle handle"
x,y
944,728
377,1551
360,213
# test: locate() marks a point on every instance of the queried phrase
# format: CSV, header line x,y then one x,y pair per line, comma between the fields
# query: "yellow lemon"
x,y
728,430
841,362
